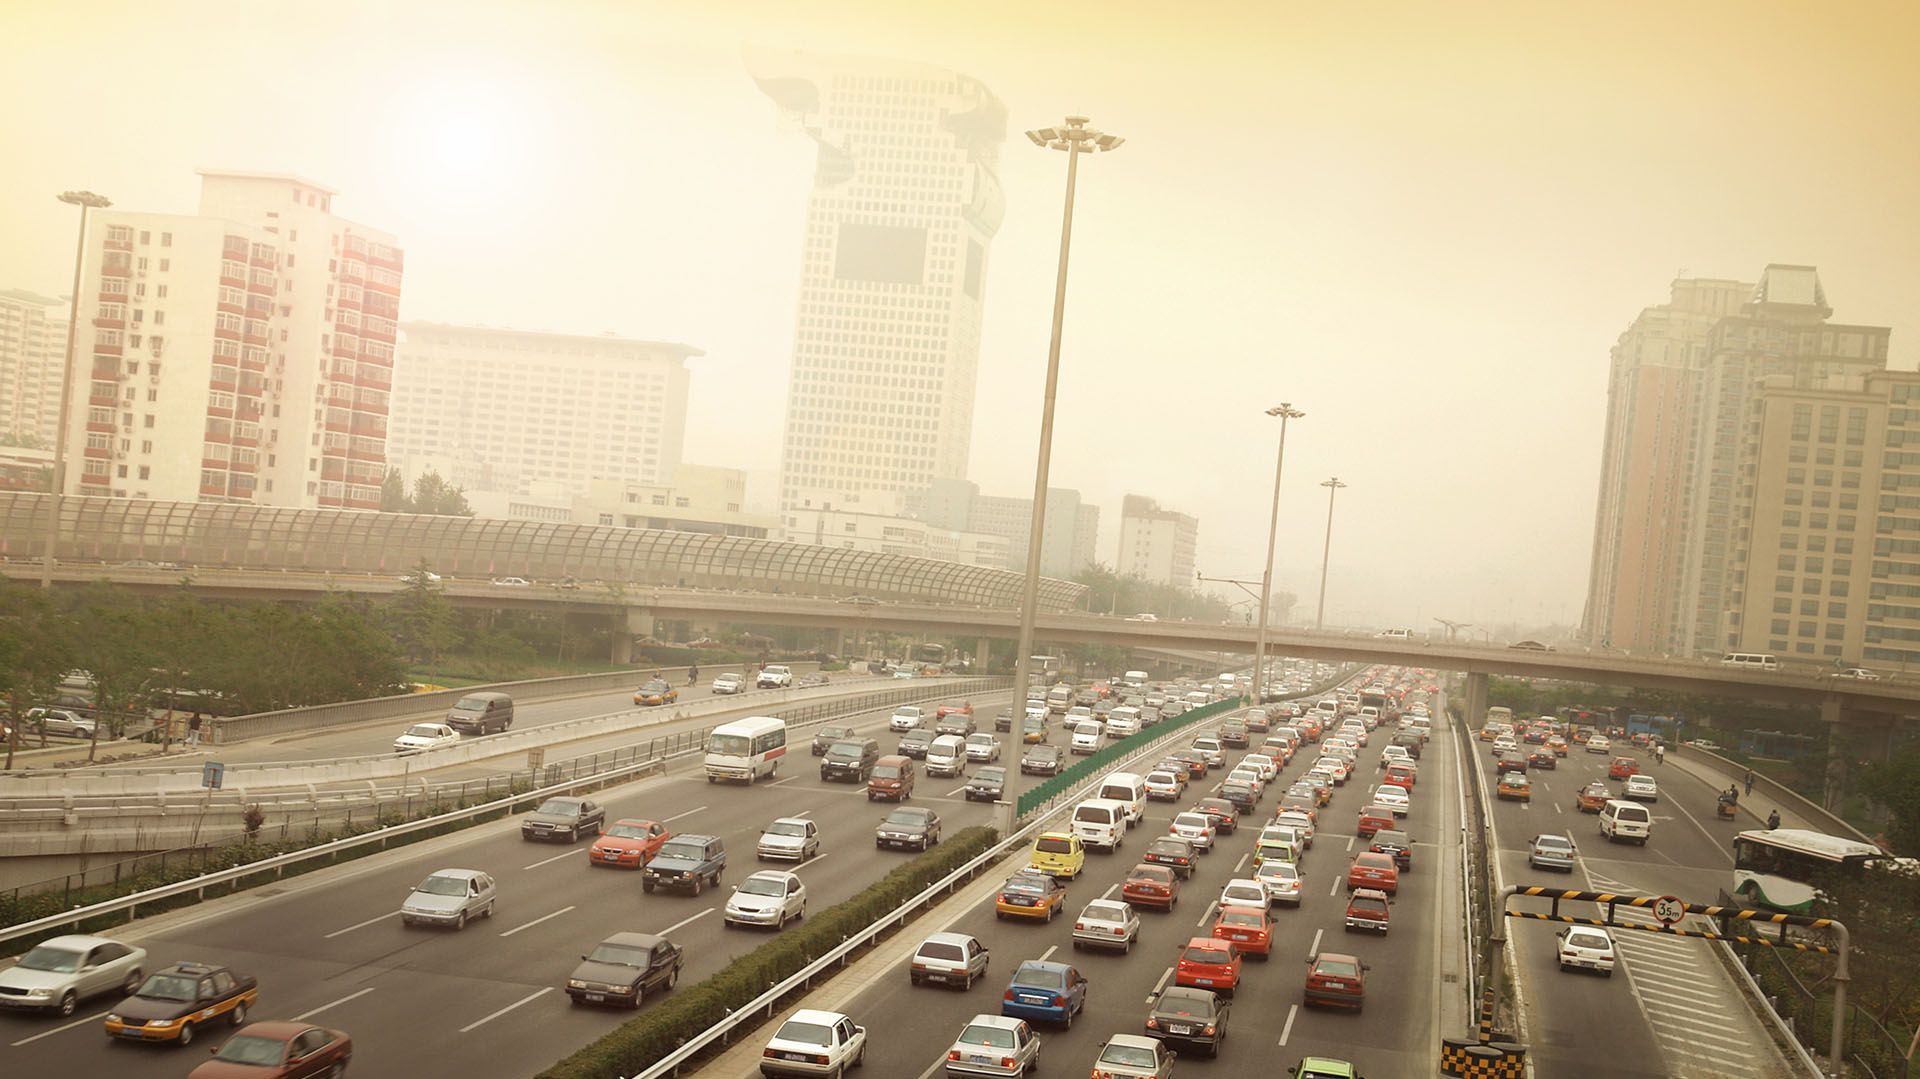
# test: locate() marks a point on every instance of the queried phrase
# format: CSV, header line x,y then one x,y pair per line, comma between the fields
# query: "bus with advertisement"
x,y
746,749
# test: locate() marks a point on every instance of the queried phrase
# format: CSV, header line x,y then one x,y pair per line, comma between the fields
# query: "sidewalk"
x,y
1754,807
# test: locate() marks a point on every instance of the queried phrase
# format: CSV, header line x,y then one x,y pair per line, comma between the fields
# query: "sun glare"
x,y
460,143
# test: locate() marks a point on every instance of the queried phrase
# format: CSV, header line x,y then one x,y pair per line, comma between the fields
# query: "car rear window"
x,y
1368,903
1041,977
1338,968
933,950
981,1034
1052,845
1194,953
1094,814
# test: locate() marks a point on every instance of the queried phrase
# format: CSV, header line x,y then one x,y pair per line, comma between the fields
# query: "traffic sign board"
x,y
212,774
1669,909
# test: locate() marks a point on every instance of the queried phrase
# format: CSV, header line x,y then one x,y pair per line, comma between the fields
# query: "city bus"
x,y
932,654
1044,669
746,749
1780,869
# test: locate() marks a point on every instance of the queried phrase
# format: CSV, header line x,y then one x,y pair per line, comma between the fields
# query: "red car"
x,y
1622,767
1372,870
1374,818
1151,886
278,1051
1509,764
1206,963
1368,909
1336,979
628,844
1400,775
1248,928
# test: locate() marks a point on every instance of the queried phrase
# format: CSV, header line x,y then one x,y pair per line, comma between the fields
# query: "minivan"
x,y
481,713
891,778
1086,738
1129,788
1101,823
1761,661
947,755
1625,820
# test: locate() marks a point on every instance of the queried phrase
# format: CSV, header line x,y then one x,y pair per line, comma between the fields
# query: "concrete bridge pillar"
x,y
982,650
1476,706
629,622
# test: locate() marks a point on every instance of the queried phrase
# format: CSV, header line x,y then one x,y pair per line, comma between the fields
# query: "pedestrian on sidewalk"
x,y
1749,781
1773,820
693,674
193,729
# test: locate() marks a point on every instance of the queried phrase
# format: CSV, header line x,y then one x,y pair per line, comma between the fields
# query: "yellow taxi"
x,y
1514,786
655,693
1058,854
1029,895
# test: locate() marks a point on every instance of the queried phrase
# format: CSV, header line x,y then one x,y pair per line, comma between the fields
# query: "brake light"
x,y
953,1054
1079,925
1152,1023
1008,995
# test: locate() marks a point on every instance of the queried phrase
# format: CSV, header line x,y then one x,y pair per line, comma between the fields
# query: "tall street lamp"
x,y
1286,412
1074,139
1333,487
86,200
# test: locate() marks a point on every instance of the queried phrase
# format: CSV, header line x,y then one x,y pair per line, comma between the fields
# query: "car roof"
x,y
1132,1041
276,1029
988,1019
78,940
459,874
815,1015
635,940
948,938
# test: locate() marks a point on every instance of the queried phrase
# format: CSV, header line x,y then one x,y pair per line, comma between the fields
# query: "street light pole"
x,y
1333,487
1074,139
1286,412
86,200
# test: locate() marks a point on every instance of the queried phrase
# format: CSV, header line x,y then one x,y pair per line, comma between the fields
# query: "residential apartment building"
x,y
33,351
906,199
701,498
1155,544
243,354
508,410
1067,538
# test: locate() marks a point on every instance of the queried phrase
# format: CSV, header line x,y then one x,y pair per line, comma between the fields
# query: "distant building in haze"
x,y
879,521
1156,545
33,349
1067,539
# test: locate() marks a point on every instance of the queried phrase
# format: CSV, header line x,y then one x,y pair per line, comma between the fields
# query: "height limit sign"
x,y
1669,909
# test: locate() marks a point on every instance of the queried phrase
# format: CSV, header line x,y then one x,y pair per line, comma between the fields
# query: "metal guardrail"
x,y
1806,807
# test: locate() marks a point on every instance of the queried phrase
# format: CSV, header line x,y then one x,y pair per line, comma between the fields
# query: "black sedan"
x,y
987,784
1191,1017
1040,760
1173,852
909,827
568,818
623,968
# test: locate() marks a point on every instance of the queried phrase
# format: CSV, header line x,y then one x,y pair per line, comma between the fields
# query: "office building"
x,y
1156,545
701,498
905,201
1067,538
33,349
508,410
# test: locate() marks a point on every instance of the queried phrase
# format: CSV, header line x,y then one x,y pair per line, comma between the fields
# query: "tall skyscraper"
x,y
507,409
893,269
33,349
243,354
1155,544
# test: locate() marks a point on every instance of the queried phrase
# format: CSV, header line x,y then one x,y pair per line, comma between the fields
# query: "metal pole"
x,y
1837,1047
1286,411
85,200
1332,485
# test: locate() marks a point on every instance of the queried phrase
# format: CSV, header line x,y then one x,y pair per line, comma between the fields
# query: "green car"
x,y
1324,1068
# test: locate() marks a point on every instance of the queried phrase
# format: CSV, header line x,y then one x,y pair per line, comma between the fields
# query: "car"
x,y
827,735
793,839
1529,646
1243,795
1551,852
915,743
424,736
1599,744
1234,732
952,708
62,721
58,973
982,746
1703,743
1041,760
1195,828
1593,797
987,784
1151,885
949,959
1371,869
1505,743
175,1002
814,1042
1585,947
1197,765
450,897
1206,963
1860,673
1401,774
1393,797
689,861
908,826
1045,991
1283,847
728,684
1323,1068
1368,909
1299,820
1641,788
1106,923
1086,738
1175,853
771,897
1028,894
1195,1018
1558,745
1244,892
629,843
420,576
1372,819
1543,758
1398,844
1163,785
994,1045
1210,748
1622,767
1058,854
1337,980
1514,787
1224,814
655,693
1132,1056
623,967
563,816
1247,927
774,676
1510,764
278,1050
959,724
1282,882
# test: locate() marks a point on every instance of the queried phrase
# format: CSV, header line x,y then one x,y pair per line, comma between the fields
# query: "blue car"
x,y
1054,992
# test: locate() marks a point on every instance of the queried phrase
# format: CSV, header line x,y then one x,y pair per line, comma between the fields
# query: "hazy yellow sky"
x,y
1423,223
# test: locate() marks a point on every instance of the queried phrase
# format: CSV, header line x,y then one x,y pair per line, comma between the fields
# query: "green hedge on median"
x,y
688,1010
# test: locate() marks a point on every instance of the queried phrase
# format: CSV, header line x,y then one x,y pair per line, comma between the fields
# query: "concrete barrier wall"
x,y
1785,795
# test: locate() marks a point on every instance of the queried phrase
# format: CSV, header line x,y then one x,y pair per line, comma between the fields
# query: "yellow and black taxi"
x,y
1593,797
173,1004
655,693
1514,787
1028,894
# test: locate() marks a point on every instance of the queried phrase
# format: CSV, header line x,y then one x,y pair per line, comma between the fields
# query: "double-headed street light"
x,y
1286,412
86,200
1074,139
1333,487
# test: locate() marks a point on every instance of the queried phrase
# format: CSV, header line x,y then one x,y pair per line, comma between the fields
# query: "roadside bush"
x,y
688,1010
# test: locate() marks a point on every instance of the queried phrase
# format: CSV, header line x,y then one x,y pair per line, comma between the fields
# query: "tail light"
x,y
1058,1000
1152,1023
1008,995
1079,925
953,1054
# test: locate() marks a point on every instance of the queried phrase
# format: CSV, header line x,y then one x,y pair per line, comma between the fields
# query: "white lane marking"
x,y
58,1029
1734,1047
1048,954
1287,1031
1335,887
1557,809
684,921
555,858
530,925
688,813
1159,985
360,925
1237,866
1315,948
1111,888
961,789
810,861
530,997
1205,916
350,996
804,813
1350,840
781,782
939,1063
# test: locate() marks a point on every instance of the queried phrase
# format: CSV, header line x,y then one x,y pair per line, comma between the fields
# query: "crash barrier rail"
x,y
1778,791
1871,1049
1476,869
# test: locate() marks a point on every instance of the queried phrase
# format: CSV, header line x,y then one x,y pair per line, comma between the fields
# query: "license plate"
x,y
1241,936
596,996
1033,1000
796,1056
1203,981
1022,901
1179,1028
976,1058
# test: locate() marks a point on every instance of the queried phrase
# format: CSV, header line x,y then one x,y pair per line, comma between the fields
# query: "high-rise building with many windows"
x,y
33,349
1155,544
905,200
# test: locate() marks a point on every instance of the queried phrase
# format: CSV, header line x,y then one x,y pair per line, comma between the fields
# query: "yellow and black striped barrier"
x,y
1475,1060
1672,931
1711,910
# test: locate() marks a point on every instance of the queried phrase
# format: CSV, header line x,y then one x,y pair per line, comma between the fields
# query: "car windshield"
x,y
1132,1055
981,1034
55,960
252,1049
438,885
627,831
990,776
624,955
560,807
787,827
1041,753
1040,977
846,749
763,886
1339,968
675,849
1239,917
420,730
169,987
1194,953
880,771
793,1030
904,817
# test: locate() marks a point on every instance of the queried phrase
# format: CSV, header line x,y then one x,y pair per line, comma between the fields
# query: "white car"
x,y
813,1042
769,897
994,1045
1586,946
982,746
58,973
1392,797
1086,738
774,676
1299,822
412,578
1195,828
795,839
1265,765
1163,786
1599,744
1505,744
1210,748
450,897
1249,775
1281,880
728,684
1245,892
512,582
1106,923
1641,788
905,718
1391,754
424,736
1861,673
1122,722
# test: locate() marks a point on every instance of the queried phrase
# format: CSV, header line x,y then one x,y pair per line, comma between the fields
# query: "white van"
x,y
1086,738
1395,634
1626,820
1134,679
946,755
1129,788
1123,721
1100,823
1759,661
